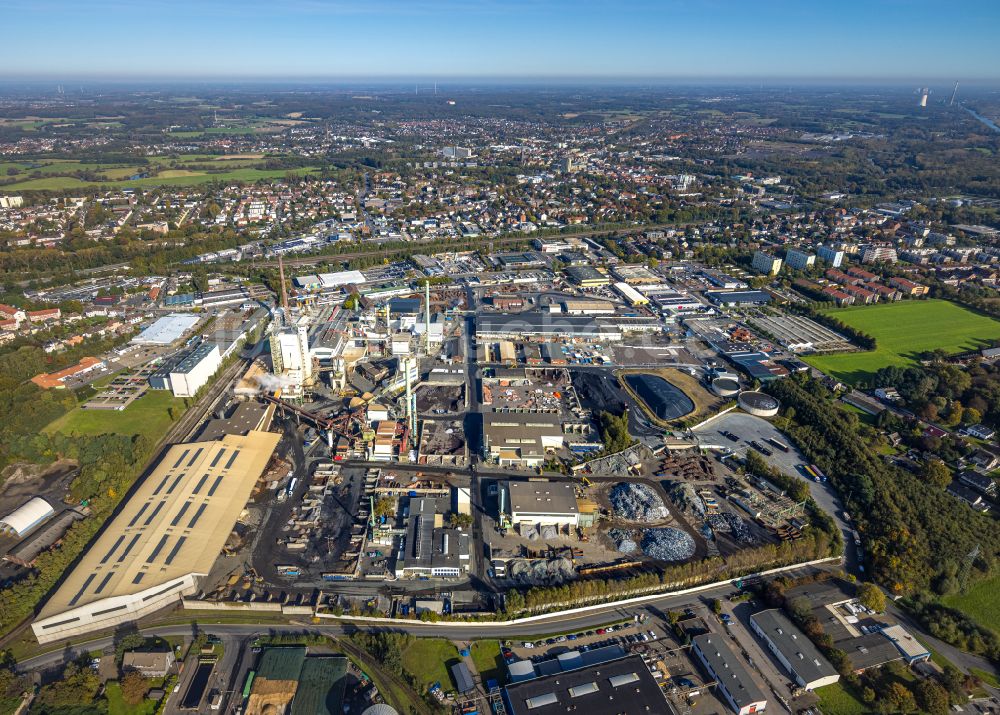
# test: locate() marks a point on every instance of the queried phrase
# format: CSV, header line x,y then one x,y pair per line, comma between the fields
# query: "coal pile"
x,y
637,502
668,544
624,540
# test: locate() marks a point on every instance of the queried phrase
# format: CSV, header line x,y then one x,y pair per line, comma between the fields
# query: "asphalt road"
x,y
556,623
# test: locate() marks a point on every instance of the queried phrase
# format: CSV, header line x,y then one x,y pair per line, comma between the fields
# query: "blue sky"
x,y
842,39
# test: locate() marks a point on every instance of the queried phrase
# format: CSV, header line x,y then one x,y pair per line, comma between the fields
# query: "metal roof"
x,y
174,524
27,516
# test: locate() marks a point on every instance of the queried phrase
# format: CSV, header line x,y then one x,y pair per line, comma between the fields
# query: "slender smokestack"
x,y
284,293
427,316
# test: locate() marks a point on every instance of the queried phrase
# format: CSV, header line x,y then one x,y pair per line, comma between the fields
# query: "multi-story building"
x,y
766,263
799,260
831,255
878,253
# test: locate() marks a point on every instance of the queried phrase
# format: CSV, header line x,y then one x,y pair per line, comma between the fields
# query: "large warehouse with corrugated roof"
x,y
163,540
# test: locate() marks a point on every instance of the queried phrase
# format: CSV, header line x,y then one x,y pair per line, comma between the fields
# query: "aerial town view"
x,y
374,358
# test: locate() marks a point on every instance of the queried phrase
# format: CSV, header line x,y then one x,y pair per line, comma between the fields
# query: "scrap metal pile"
x,y
541,572
624,540
638,502
668,544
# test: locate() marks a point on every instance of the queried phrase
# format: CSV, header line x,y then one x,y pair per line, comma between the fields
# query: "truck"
x,y
778,445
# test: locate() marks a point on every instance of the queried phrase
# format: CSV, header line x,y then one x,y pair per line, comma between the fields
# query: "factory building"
x,y
166,330
735,684
631,295
793,649
515,439
614,687
537,325
194,370
587,276
290,357
539,502
164,539
429,549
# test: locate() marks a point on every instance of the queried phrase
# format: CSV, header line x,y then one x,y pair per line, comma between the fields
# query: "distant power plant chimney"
x,y
954,93
427,316
284,292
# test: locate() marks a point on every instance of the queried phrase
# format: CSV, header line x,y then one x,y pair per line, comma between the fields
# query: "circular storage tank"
x,y
725,387
759,404
380,709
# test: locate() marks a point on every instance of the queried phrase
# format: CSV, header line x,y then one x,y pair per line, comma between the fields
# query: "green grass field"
x,y
835,700
903,331
488,660
188,178
427,660
980,603
148,415
118,706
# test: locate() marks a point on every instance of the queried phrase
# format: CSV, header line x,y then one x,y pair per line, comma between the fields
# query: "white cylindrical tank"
x,y
380,709
725,387
758,403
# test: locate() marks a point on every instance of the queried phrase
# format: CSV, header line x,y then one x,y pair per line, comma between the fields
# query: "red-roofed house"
x,y
44,316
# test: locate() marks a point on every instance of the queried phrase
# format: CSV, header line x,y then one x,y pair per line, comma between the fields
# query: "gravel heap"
x,y
668,544
624,540
637,502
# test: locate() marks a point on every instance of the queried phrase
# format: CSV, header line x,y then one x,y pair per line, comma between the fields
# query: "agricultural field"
x,y
979,603
149,415
184,170
903,331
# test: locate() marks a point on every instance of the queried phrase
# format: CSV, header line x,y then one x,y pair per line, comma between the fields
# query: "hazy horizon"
x,y
546,40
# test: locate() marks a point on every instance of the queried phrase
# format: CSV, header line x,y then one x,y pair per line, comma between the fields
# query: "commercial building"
x,y
428,548
514,439
793,649
163,540
799,260
57,380
741,297
166,330
831,255
765,263
587,276
194,370
587,306
539,502
631,295
908,646
733,680
617,687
